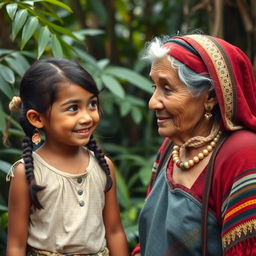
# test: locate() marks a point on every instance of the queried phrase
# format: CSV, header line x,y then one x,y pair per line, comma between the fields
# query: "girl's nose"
x,y
85,117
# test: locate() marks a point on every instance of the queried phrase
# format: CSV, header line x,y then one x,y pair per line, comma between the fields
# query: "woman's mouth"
x,y
162,119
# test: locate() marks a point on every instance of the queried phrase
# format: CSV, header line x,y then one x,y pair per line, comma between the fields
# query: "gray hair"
x,y
196,83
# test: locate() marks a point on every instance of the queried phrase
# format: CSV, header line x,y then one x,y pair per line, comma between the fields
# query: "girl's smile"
x,y
83,132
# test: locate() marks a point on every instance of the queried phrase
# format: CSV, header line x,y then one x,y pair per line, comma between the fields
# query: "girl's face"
x,y
73,117
180,114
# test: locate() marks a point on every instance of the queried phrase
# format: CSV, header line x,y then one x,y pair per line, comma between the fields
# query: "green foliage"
x,y
131,76
107,38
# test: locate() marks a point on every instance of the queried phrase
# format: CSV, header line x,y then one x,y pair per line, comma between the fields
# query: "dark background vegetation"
x,y
107,37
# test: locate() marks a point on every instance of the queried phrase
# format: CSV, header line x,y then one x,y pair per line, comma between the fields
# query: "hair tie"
x,y
15,104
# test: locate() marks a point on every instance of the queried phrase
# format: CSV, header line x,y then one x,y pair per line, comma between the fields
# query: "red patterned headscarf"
x,y
230,70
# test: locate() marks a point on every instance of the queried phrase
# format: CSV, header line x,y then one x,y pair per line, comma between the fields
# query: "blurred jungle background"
x,y
107,37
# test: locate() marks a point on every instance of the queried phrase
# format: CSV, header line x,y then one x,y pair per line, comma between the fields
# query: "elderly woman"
x,y
202,195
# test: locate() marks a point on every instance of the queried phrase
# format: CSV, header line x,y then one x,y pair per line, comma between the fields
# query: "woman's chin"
x,y
163,133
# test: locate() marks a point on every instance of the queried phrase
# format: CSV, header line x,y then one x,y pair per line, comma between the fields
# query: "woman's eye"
x,y
73,108
167,89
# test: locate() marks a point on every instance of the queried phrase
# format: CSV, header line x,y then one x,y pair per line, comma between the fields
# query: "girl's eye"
x,y
93,104
73,108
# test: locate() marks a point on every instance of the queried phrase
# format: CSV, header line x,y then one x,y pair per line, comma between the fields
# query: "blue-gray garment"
x,y
169,223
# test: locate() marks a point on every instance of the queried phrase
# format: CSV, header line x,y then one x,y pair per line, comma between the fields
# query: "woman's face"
x,y
179,113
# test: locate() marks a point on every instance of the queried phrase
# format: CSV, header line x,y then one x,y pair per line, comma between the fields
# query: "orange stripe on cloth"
x,y
240,207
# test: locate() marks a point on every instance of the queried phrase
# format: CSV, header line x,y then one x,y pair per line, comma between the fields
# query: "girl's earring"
x,y
36,138
208,113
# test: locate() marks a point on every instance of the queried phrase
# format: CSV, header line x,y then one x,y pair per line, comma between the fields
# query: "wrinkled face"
x,y
73,117
180,114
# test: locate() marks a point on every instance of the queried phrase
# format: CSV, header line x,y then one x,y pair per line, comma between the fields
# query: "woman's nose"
x,y
155,102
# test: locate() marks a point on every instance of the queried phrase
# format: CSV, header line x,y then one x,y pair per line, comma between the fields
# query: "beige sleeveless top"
x,y
71,221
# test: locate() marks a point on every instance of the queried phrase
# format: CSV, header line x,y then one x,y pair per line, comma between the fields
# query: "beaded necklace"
x,y
196,159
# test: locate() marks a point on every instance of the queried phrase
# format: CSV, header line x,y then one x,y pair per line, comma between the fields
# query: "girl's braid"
x,y
92,145
27,149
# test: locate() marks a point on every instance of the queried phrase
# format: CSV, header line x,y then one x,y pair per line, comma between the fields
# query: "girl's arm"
x,y
115,235
18,213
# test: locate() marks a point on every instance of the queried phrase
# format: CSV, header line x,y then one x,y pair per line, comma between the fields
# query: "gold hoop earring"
x,y
36,138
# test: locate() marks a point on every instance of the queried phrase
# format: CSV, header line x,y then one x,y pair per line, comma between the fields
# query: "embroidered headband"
x,y
186,54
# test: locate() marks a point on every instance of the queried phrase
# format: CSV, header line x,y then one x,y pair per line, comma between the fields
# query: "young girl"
x,y
62,198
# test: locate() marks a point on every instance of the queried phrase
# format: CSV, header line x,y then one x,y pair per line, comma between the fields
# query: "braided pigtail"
x,y
92,145
27,149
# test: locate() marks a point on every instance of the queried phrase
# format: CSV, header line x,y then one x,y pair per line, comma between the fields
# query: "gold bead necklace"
x,y
196,159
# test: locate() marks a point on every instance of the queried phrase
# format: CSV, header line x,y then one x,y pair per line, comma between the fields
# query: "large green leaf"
x,y
7,74
103,63
125,108
11,151
96,78
56,47
130,76
136,115
67,49
3,208
108,107
88,59
17,62
131,232
21,59
113,85
136,101
62,30
11,9
88,32
12,63
5,51
145,174
58,3
6,88
19,20
50,13
43,39
4,166
122,191
28,30
16,132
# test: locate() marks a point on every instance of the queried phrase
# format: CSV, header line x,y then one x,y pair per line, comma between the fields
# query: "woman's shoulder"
x,y
243,136
235,162
237,154
241,140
